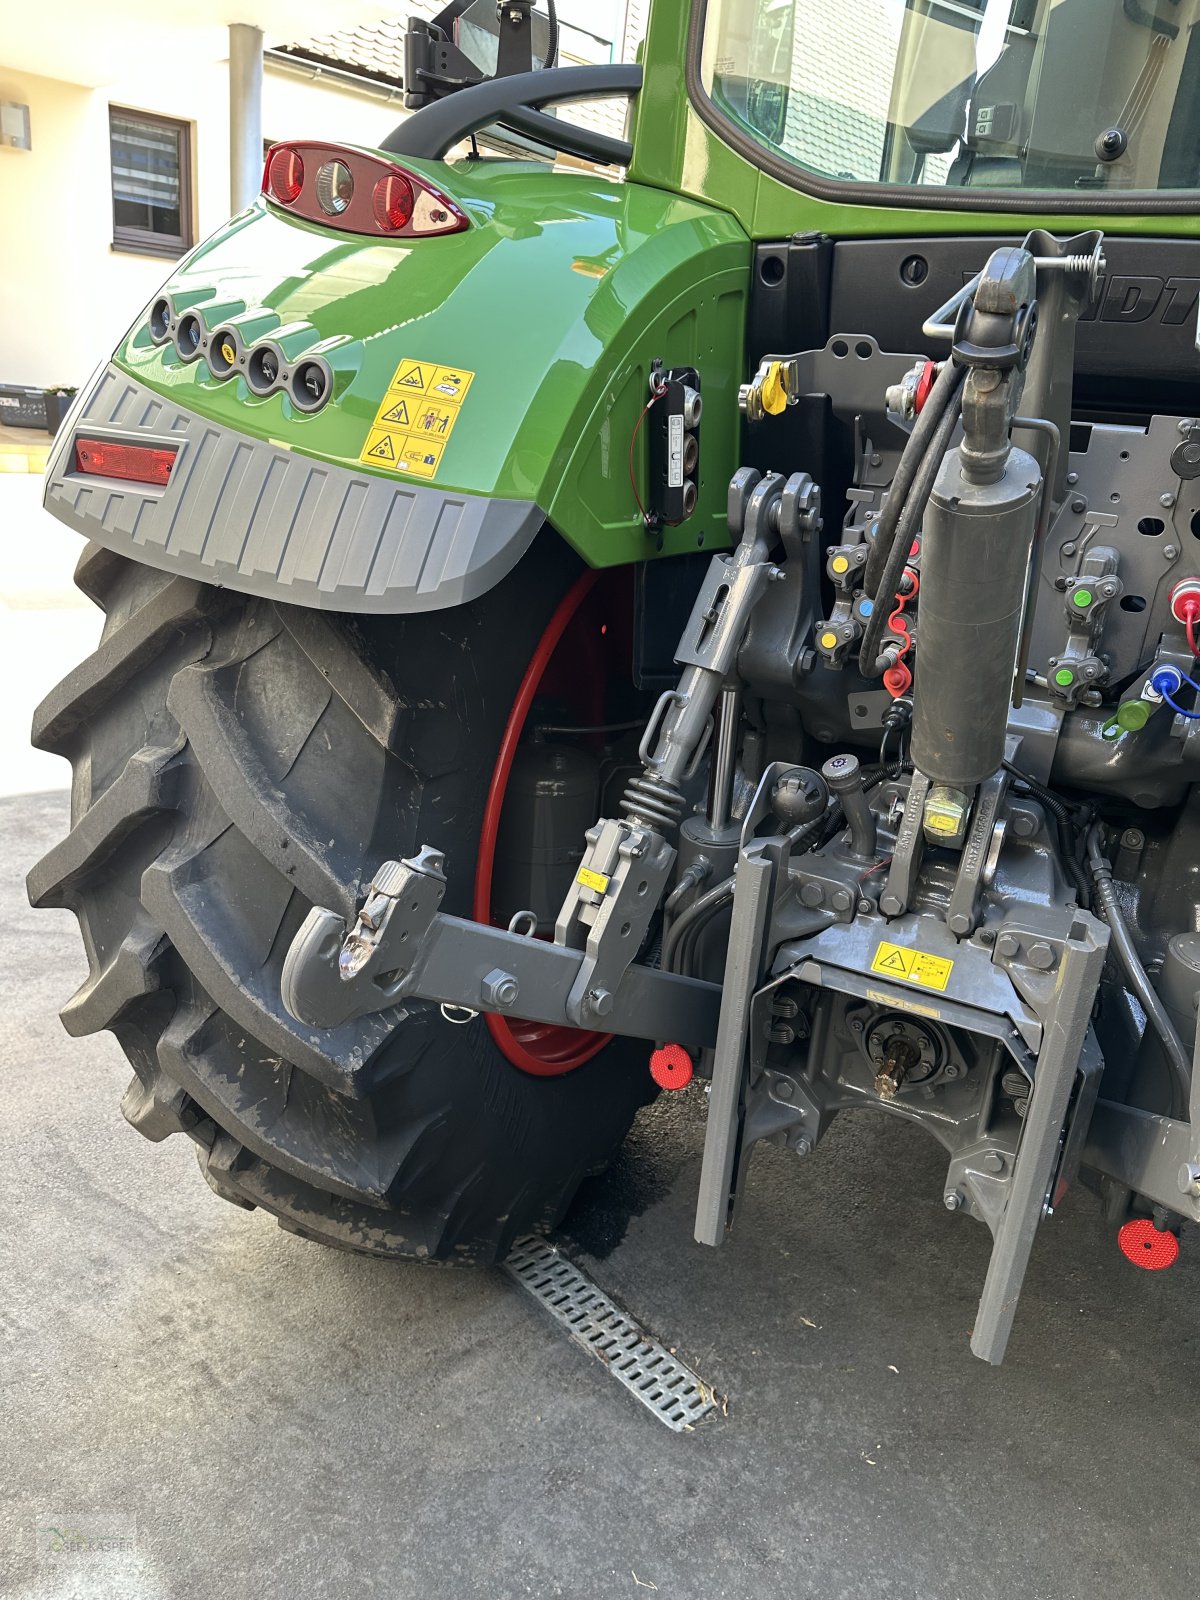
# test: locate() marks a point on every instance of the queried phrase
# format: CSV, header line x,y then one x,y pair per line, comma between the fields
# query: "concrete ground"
x,y
245,1413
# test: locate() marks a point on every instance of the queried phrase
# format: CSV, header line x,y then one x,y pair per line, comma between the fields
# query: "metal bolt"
x,y
812,895
500,988
952,1200
959,924
1169,552
1189,1179
784,1088
1072,479
1132,839
951,1071
841,900
801,1144
1008,946
777,574
857,1025
1024,824
1079,506
1041,955
992,1161
600,1002
891,905
986,936
1166,500
865,906
1069,548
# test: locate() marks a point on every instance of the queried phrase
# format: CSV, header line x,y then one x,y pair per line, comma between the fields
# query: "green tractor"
x,y
717,607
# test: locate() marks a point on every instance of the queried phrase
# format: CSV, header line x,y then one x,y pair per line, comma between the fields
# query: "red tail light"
x,y
360,193
283,178
101,458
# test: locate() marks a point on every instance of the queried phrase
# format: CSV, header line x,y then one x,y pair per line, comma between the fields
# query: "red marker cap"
x,y
671,1067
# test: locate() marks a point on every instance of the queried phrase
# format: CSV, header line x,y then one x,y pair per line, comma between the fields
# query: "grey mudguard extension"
x,y
251,516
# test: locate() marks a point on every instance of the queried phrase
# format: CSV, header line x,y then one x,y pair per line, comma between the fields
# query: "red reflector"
x,y
140,464
671,1067
1141,1243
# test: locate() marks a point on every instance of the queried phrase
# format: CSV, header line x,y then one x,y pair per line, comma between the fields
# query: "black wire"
x,y
931,414
552,47
909,522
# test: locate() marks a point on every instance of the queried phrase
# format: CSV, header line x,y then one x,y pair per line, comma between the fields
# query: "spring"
x,y
651,801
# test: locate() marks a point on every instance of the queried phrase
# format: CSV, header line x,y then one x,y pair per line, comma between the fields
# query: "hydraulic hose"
x,y
683,933
1139,981
948,380
909,520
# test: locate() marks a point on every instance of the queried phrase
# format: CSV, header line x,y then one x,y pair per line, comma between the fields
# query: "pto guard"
x,y
480,385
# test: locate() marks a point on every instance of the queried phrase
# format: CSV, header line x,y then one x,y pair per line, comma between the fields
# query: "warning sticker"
x,y
451,383
398,415
912,966
419,456
591,880
383,447
416,417
432,418
411,375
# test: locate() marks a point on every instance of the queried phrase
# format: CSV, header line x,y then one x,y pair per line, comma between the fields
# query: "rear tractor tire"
x,y
237,761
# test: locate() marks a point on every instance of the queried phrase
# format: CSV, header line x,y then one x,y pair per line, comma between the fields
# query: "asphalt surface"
x,y
241,1412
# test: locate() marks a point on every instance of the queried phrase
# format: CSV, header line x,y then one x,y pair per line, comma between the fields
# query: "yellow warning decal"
x,y
591,880
416,417
912,966
382,448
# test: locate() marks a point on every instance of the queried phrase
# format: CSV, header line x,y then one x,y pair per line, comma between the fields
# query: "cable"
x,y
1191,716
552,47
909,519
939,397
1191,634
1139,981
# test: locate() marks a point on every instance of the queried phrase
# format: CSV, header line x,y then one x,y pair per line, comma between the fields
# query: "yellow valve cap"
x,y
774,395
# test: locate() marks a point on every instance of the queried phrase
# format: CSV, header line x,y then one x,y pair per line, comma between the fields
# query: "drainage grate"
x,y
658,1379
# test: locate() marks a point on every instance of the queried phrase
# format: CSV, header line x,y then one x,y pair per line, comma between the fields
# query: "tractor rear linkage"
x,y
1025,985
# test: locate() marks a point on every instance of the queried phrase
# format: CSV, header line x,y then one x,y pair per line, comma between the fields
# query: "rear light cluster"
x,y
363,194
137,463
306,379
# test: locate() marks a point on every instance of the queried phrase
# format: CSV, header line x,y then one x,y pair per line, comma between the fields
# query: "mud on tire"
x,y
235,762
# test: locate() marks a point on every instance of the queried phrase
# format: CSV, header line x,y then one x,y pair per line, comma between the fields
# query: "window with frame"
x,y
150,164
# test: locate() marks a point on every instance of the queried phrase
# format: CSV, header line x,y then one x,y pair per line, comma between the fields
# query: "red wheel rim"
x,y
539,1048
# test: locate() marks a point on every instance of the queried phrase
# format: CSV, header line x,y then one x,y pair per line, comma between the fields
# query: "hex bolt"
x,y
1072,479
1169,552
891,905
1189,1179
812,895
1166,501
959,924
1024,824
865,907
841,900
1041,955
1069,548
952,1200
1008,946
784,1088
1079,506
500,988
801,1144
600,1002
992,1161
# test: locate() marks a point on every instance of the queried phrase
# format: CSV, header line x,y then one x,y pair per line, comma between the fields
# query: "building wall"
x,y
66,296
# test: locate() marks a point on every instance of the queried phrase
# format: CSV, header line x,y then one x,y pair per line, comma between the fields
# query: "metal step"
x,y
668,1388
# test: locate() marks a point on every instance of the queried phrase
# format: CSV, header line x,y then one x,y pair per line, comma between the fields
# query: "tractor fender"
x,y
480,386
